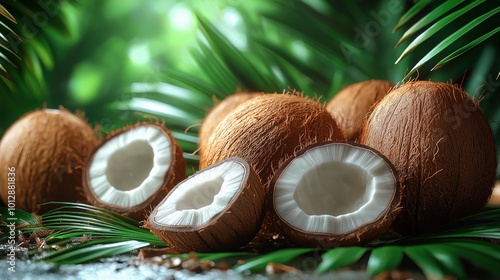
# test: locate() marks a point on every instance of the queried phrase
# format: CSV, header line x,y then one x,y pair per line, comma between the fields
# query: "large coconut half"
x,y
219,112
267,129
442,147
334,193
42,157
350,106
133,169
217,209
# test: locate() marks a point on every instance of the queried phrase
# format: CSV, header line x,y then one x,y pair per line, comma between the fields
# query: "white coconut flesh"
x,y
200,198
334,189
130,167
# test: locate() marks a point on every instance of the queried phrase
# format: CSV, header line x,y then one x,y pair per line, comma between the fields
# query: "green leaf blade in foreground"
x,y
482,254
426,261
340,257
384,258
22,218
281,256
84,252
446,42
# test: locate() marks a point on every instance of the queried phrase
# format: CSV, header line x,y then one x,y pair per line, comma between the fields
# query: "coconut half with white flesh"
x,y
219,208
133,169
334,194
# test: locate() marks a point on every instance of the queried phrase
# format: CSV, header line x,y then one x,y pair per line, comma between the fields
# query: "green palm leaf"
x,y
280,256
452,38
384,258
340,257
441,17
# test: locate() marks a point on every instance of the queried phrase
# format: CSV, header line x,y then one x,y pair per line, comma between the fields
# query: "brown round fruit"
x,y
334,194
442,147
219,112
43,155
219,208
133,169
350,106
267,129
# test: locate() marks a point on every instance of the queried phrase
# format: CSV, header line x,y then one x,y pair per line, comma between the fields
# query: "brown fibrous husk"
x,y
350,106
442,147
230,229
269,128
48,149
357,237
173,175
218,112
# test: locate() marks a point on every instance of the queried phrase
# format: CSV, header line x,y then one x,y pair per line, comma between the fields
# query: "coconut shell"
x,y
267,129
219,112
442,147
175,173
233,227
48,149
357,237
350,106
495,197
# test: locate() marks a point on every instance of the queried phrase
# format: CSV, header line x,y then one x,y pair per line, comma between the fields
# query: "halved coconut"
x,y
218,208
334,193
133,169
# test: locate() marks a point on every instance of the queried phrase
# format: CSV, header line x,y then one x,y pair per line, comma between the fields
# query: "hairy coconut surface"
x,y
334,194
350,106
219,208
42,157
442,147
219,112
267,129
133,169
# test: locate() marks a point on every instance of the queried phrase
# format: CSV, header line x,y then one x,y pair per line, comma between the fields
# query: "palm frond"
x,y
459,38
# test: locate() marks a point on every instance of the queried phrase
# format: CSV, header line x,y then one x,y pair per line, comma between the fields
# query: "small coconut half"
x,y
218,208
334,194
133,169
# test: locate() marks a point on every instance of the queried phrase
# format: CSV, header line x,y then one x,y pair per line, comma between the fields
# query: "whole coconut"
x,y
268,129
45,151
350,106
442,147
219,112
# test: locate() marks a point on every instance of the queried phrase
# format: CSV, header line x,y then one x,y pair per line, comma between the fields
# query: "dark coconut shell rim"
x,y
215,218
395,200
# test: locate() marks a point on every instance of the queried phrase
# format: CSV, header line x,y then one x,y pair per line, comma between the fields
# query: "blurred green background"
x,y
120,61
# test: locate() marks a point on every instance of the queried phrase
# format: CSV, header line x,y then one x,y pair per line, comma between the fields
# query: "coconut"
x,y
219,112
442,147
495,197
267,129
219,208
334,194
134,169
350,106
42,157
